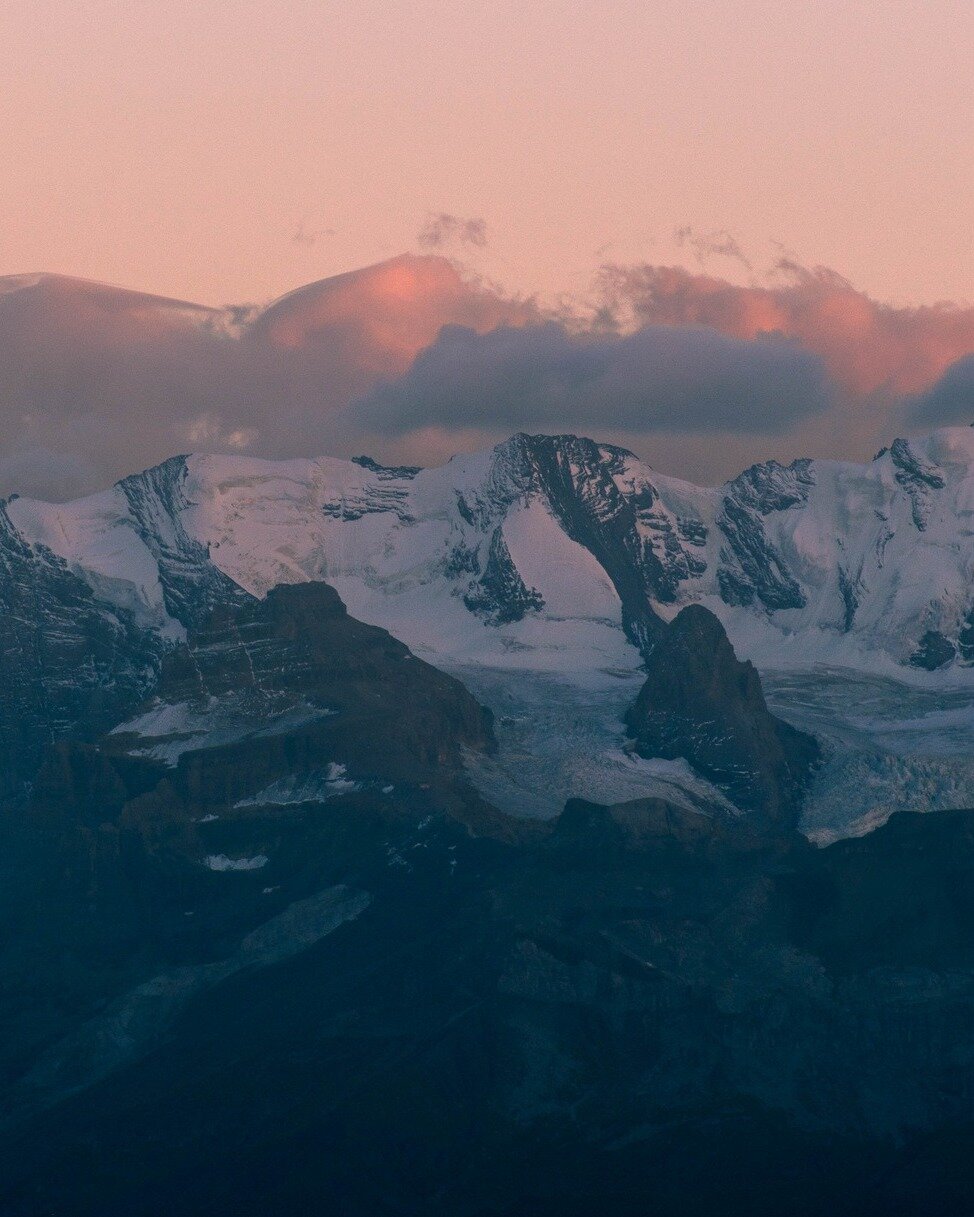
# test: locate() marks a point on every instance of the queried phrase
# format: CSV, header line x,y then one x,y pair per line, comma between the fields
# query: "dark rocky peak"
x,y
387,473
68,663
701,703
576,480
541,452
295,639
265,688
753,569
560,468
771,486
623,526
526,464
191,584
286,743
918,477
911,467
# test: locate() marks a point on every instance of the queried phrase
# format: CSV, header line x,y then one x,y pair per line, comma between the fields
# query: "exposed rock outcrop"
x,y
869,555
700,702
68,663
281,690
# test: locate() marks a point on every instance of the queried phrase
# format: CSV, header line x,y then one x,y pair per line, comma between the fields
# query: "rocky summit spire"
x,y
702,703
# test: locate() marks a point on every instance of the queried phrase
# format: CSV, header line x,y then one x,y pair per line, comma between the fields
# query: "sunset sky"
x,y
229,152
182,147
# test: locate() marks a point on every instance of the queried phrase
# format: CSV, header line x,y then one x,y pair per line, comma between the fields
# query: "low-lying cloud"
x,y
411,360
948,402
96,382
660,378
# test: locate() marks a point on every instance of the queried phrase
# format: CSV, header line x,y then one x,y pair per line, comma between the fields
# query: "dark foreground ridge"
x,y
265,952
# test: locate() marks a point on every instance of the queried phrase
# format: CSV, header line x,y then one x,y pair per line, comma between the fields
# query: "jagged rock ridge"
x,y
269,689
571,553
68,663
701,703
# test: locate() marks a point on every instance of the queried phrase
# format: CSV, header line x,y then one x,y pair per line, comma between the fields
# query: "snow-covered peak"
x,y
556,552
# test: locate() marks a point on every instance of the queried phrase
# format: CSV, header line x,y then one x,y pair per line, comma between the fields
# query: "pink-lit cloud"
x,y
97,381
386,313
411,360
867,346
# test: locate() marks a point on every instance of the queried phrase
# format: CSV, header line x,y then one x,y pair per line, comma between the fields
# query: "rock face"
x,y
299,649
268,698
283,738
562,551
701,703
67,662
190,584
754,571
264,949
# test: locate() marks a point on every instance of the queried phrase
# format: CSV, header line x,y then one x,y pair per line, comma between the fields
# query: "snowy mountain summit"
x,y
548,552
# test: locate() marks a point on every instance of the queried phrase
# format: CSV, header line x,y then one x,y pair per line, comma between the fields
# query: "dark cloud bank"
x,y
411,360
950,401
657,379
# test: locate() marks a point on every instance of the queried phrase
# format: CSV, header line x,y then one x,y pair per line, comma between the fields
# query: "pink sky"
x,y
180,147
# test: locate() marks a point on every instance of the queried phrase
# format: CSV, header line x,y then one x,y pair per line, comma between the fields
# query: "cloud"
x,y
848,372
719,244
380,317
412,359
441,230
950,401
303,235
96,382
47,474
869,347
661,378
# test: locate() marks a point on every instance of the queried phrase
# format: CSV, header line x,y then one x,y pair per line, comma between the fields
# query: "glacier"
x,y
540,572
555,552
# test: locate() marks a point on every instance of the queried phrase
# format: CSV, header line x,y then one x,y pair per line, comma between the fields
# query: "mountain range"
x,y
388,840
560,550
